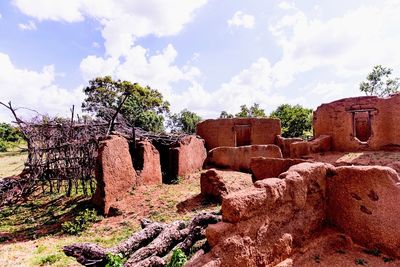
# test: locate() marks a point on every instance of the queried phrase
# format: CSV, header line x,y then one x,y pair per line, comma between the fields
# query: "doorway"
x,y
362,125
243,135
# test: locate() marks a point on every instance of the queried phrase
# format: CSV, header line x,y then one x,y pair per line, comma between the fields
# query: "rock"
x,y
284,144
188,156
262,167
212,185
238,158
363,201
238,132
299,149
115,174
321,144
147,163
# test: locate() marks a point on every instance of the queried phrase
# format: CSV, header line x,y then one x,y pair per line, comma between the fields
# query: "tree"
x,y
295,120
253,112
8,133
185,121
380,83
225,115
144,107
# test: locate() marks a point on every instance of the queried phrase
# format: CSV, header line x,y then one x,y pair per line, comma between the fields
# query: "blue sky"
x,y
204,55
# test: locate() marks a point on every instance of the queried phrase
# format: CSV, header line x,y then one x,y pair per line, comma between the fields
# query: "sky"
x,y
203,55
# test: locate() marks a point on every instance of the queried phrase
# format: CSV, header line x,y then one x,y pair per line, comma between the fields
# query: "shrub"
x,y
178,259
81,222
50,259
115,260
3,146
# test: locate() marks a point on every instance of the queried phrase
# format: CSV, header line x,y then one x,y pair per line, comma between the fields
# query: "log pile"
x,y
152,246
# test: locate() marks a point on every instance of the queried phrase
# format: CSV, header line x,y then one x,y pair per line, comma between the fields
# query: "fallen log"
x,y
160,246
89,254
148,246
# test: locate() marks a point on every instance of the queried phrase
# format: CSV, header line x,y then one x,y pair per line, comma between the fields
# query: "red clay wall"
x,y
336,119
238,131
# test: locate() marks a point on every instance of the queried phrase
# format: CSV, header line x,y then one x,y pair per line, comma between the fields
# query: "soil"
x,y
331,248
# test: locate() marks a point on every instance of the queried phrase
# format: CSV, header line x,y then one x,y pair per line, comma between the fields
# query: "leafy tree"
x,y
380,83
185,121
8,133
144,107
225,115
295,120
254,112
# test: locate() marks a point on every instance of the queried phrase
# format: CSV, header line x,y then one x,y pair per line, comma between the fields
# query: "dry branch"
x,y
146,247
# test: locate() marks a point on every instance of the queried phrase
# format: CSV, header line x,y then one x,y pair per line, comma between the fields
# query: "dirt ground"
x,y
329,248
382,158
30,234
12,163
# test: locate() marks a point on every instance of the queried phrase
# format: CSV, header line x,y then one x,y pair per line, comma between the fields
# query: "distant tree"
x,y
296,121
185,121
254,112
9,136
144,106
225,115
9,133
380,83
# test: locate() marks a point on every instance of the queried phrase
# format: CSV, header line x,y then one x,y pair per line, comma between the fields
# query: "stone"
x,y
363,201
212,185
239,158
115,174
188,156
217,184
262,167
321,144
299,149
147,164
284,144
238,132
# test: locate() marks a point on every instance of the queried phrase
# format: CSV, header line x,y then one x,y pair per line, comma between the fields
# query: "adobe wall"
x,y
238,131
341,119
264,225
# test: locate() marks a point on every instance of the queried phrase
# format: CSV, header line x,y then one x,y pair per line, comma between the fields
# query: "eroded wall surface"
x,y
374,120
238,132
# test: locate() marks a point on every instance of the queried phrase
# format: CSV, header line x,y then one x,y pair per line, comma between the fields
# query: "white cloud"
x,y
286,5
96,45
158,70
30,26
349,44
122,21
34,89
241,19
1,16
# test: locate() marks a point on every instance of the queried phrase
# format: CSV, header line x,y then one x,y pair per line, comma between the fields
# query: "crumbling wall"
x,y
115,174
364,203
344,119
238,132
263,226
146,160
238,158
264,167
187,156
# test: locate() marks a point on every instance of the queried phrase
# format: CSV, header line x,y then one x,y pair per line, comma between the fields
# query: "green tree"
x,y
144,106
380,83
9,133
296,121
185,121
253,112
225,115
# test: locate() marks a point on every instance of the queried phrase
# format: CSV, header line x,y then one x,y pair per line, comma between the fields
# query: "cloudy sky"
x,y
204,55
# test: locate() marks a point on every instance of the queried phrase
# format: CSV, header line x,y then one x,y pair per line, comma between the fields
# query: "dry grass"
x,y
30,234
12,163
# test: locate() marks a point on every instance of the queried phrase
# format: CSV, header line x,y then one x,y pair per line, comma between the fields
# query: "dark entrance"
x,y
362,125
243,135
